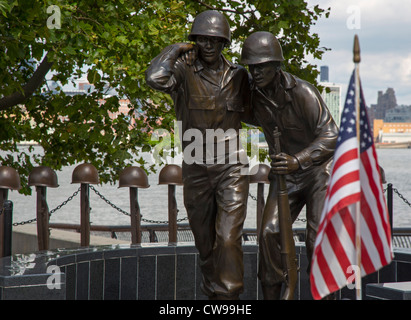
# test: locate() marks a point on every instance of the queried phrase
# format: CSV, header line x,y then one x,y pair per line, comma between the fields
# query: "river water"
x,y
153,201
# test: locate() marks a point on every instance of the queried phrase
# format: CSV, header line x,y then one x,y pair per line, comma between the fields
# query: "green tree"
x,y
112,43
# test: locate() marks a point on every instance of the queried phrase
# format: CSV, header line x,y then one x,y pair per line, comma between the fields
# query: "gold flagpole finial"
x,y
357,56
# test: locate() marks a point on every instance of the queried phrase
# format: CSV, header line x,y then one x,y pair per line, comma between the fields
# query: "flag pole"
x,y
357,60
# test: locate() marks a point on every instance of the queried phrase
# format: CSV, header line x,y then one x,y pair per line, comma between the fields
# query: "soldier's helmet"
x,y
43,176
210,23
260,47
85,173
171,174
133,177
9,178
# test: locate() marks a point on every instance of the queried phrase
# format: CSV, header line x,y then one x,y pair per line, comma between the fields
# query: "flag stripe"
x,y
319,287
369,222
349,224
345,157
349,178
338,249
383,214
326,271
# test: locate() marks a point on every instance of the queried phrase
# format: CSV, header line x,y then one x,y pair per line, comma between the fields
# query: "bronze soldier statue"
x,y
308,139
210,93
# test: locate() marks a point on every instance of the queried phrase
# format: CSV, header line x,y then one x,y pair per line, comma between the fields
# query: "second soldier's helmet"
x,y
260,47
210,23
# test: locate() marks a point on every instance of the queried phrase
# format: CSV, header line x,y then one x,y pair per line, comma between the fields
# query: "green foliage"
x,y
111,43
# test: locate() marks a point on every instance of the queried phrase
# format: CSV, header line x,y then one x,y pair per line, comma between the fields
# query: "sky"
x,y
384,31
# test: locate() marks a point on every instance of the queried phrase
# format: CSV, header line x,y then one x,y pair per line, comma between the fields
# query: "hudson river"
x,y
153,201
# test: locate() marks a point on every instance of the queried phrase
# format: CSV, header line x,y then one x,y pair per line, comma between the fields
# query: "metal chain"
x,y
255,199
65,202
108,201
24,222
402,197
52,211
128,214
252,197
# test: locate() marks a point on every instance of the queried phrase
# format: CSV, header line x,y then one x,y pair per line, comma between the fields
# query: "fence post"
x,y
134,178
42,215
9,179
85,174
172,214
390,204
85,215
259,175
7,229
171,175
42,177
3,198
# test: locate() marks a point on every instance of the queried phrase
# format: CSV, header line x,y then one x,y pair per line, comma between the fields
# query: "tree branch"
x,y
244,14
32,85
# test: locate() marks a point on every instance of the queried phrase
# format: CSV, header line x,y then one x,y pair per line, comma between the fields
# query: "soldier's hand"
x,y
188,52
283,163
190,56
184,47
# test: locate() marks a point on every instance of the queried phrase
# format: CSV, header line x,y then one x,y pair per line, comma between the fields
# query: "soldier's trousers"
x,y
304,189
215,197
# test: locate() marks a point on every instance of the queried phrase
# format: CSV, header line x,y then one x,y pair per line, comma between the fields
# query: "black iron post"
x,y
7,227
135,219
172,214
3,199
390,205
85,215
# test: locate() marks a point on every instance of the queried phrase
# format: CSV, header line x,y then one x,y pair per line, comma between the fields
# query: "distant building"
x,y
398,114
324,74
385,102
391,132
333,100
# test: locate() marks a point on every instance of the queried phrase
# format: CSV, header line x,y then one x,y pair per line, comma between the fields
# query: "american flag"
x,y
353,180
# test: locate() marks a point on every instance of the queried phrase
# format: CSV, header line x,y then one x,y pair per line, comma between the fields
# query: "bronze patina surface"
x,y
210,93
308,139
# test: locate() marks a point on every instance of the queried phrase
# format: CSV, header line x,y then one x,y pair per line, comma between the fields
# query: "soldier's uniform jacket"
x,y
201,101
308,131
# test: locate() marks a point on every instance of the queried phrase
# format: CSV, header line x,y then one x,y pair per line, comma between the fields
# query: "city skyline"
x,y
384,32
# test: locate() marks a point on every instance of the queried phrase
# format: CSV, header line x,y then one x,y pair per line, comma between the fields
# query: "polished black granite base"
x,y
389,291
146,272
